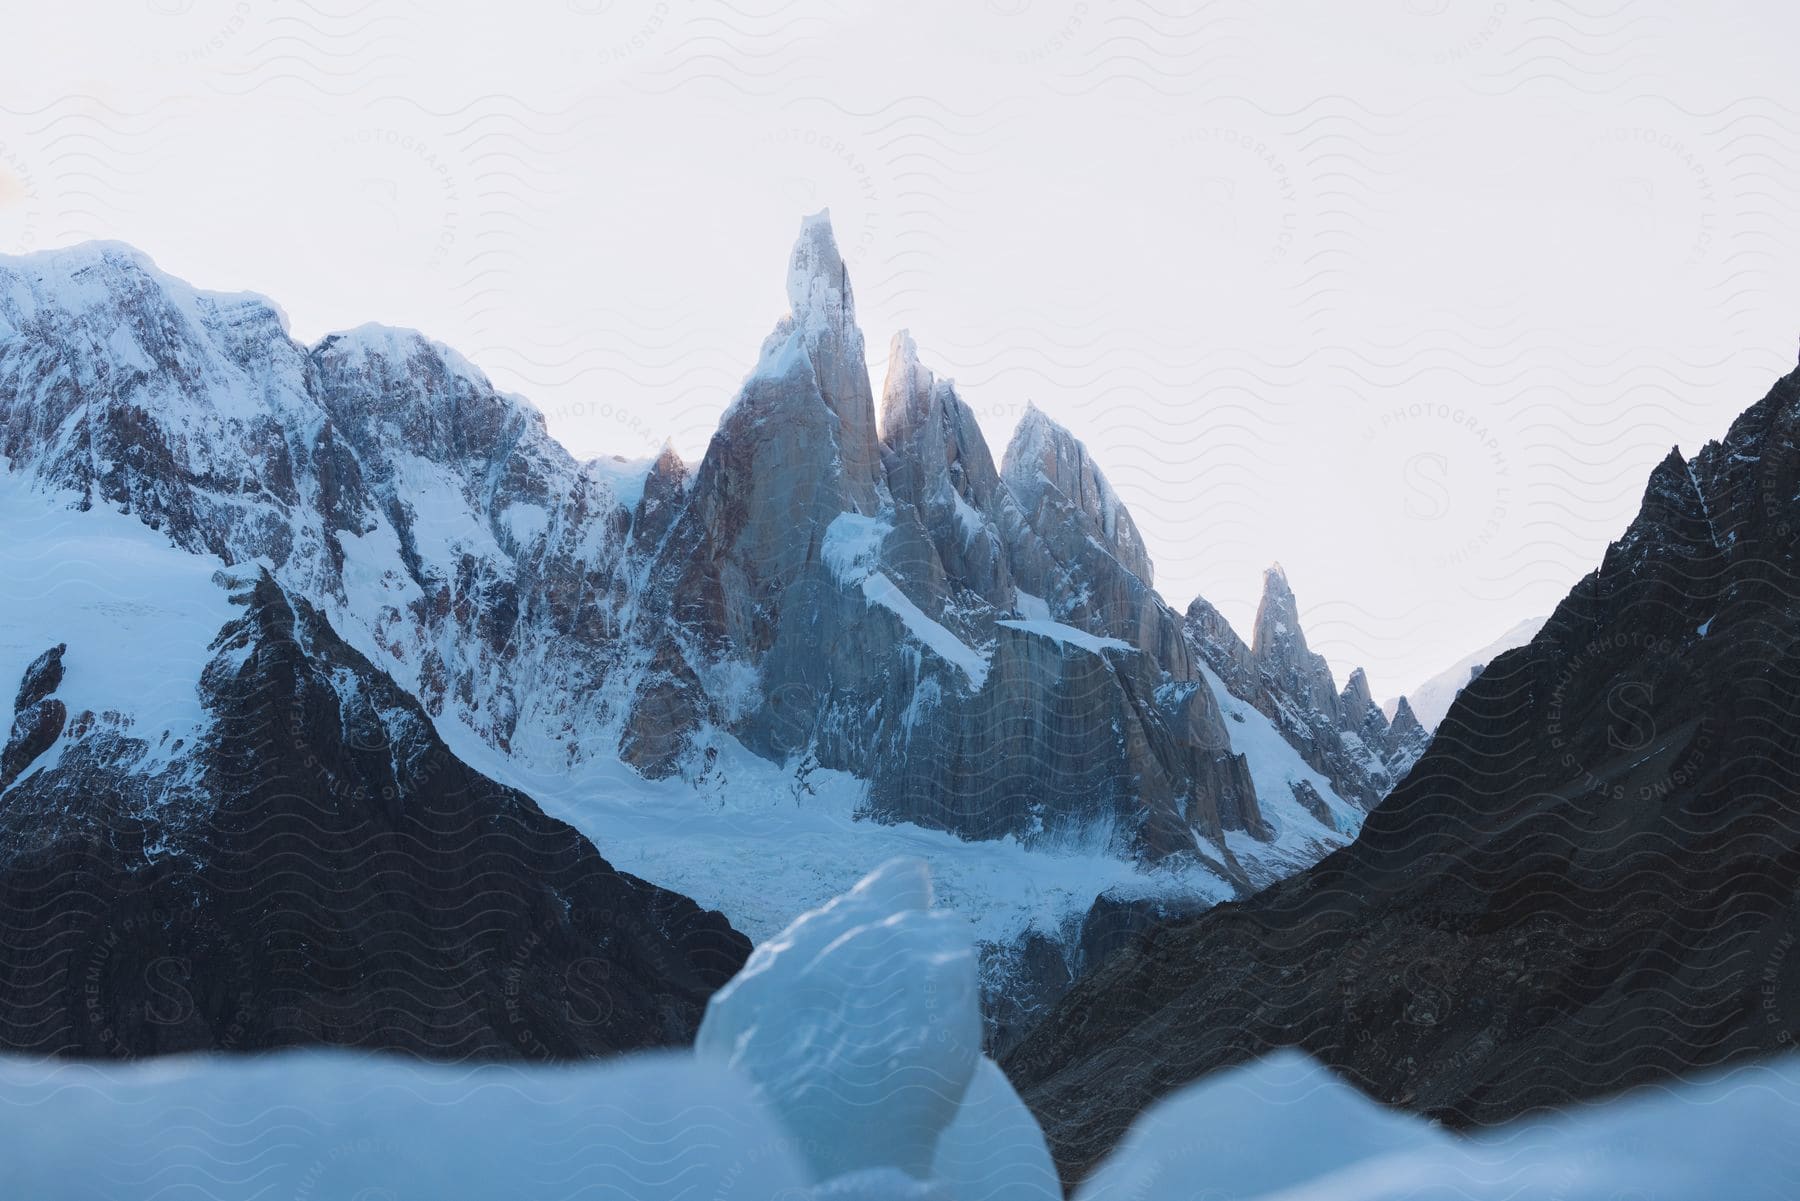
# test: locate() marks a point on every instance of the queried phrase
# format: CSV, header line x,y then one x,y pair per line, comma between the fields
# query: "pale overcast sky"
x,y
1407,294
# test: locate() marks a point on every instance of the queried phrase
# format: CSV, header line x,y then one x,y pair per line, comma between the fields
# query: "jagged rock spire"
x,y
665,488
1359,715
821,324
907,394
818,283
1277,616
1047,467
1406,739
938,465
1356,696
1278,648
796,450
926,427
1405,729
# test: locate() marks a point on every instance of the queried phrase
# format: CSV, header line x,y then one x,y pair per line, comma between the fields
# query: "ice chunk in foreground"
x,y
994,1150
329,1126
1254,1130
1287,1129
859,1025
881,1184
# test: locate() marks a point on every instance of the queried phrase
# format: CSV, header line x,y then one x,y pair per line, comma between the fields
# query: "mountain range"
x,y
319,646
350,709
1587,882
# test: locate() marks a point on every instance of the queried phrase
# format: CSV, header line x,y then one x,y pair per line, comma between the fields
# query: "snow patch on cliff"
x,y
851,549
137,614
1068,635
1275,768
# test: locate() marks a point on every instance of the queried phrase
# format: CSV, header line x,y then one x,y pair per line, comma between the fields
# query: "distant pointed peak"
x,y
906,393
1403,712
818,283
1032,440
903,361
1034,427
1278,618
1275,584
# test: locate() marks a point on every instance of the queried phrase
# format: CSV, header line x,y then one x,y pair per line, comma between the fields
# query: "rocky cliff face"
x,y
983,646
939,469
1586,882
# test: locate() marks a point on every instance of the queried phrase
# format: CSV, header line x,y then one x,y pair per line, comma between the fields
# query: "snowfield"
x,y
843,1062
138,616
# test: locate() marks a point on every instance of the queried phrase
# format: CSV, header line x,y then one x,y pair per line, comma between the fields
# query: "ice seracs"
x,y
316,1124
993,1148
1704,1138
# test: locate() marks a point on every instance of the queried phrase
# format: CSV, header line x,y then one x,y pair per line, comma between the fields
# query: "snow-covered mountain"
x,y
1432,699
719,674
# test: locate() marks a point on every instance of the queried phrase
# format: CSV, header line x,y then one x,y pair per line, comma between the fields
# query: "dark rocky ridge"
x,y
1588,881
320,869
